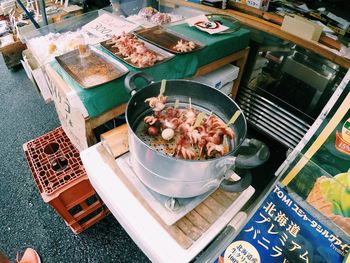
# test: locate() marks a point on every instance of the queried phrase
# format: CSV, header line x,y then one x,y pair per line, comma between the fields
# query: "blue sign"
x,y
281,231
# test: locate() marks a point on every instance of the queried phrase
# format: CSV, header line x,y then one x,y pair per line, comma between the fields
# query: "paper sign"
x,y
202,23
72,121
106,25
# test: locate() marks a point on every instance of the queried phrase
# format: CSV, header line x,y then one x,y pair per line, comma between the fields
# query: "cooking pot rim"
x,y
178,159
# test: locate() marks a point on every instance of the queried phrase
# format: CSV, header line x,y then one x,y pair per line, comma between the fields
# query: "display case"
x,y
38,41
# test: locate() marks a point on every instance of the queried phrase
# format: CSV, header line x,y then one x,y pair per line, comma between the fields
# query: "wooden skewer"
x,y
198,121
162,87
176,103
233,118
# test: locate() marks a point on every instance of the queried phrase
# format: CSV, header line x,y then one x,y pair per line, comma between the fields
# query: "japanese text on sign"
x,y
282,231
106,25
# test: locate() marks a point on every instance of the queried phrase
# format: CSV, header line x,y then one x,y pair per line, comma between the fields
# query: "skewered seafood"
x,y
147,12
150,120
161,18
134,50
191,137
184,46
157,103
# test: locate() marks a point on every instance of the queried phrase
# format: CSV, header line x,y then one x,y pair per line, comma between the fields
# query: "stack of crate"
x,y
62,181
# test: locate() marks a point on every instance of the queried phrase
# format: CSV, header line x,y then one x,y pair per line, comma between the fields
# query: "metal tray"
x,y
93,70
166,39
109,47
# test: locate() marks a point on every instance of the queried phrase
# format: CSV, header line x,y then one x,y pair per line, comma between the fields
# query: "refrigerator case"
x,y
312,198
318,170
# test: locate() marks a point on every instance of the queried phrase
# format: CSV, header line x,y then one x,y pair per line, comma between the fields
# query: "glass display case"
x,y
59,38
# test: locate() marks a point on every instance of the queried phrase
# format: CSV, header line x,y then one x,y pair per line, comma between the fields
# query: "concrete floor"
x,y
25,220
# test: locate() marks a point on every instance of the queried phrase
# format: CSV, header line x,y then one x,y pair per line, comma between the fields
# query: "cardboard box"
x,y
302,27
12,53
259,4
36,74
218,78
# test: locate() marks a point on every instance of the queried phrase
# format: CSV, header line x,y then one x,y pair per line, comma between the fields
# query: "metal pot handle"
x,y
260,155
236,186
129,82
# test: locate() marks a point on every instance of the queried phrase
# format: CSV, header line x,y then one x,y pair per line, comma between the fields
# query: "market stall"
x,y
96,106
16,23
178,173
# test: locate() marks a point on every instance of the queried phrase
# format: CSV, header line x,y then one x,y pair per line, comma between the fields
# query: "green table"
x,y
110,95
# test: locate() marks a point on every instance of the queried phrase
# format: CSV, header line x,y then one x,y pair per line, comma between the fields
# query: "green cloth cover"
x,y
107,96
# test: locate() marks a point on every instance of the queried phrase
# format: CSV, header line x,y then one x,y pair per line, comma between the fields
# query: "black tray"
x,y
166,39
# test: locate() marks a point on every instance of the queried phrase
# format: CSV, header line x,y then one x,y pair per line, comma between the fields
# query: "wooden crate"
x,y
12,53
195,226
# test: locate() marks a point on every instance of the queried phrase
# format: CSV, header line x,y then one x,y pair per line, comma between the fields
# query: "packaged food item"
x,y
161,18
147,12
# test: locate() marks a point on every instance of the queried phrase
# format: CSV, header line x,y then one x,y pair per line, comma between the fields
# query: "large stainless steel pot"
x,y
175,177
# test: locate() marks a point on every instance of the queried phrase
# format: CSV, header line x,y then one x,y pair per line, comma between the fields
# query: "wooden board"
x,y
277,19
188,229
73,122
12,53
116,140
270,28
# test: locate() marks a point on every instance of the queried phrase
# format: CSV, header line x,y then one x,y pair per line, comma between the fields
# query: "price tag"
x,y
105,26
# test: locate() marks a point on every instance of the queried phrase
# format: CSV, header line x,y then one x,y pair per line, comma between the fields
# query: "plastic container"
x,y
62,181
220,77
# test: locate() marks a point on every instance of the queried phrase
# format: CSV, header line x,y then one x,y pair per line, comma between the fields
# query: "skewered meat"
x,y
172,124
152,130
185,150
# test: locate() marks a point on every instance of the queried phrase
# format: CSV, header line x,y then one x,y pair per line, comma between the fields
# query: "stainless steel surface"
x,y
92,70
171,176
271,118
316,76
43,11
284,95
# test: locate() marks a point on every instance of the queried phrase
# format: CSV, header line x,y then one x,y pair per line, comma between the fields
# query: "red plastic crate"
x,y
62,181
